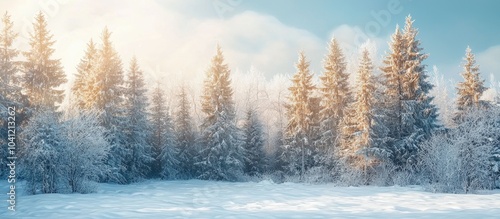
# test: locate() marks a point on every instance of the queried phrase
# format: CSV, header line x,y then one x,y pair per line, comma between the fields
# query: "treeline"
x,y
382,131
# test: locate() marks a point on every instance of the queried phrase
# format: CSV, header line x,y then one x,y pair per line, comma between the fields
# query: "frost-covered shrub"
x,y
460,160
62,156
40,146
81,160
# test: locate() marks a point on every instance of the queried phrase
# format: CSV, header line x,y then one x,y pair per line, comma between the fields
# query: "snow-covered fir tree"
x,y
392,71
42,75
185,136
163,142
362,134
221,157
298,148
86,85
411,117
335,98
158,112
10,91
136,130
169,156
110,101
471,89
417,86
253,143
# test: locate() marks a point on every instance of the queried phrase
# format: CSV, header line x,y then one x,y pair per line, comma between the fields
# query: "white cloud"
x,y
489,62
174,41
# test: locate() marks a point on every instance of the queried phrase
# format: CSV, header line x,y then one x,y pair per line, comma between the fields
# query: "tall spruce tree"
x,y
221,157
158,113
10,91
417,86
392,70
298,146
137,127
169,152
335,99
362,141
185,136
86,86
110,101
411,117
471,89
164,146
42,75
253,143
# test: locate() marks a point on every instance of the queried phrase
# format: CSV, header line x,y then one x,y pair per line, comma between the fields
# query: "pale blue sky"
x,y
446,27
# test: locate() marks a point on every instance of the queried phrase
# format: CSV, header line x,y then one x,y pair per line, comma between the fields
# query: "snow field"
x,y
207,199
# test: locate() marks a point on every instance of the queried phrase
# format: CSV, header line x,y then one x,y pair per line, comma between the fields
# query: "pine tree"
x,y
10,91
110,101
392,71
221,158
362,141
417,86
163,141
42,75
158,114
85,88
253,143
471,89
137,127
335,99
185,135
299,131
411,117
169,152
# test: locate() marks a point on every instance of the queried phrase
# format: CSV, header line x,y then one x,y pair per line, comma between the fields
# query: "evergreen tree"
x,y
392,71
158,114
10,91
110,101
411,117
169,151
222,155
471,89
362,141
42,75
85,88
165,164
299,131
253,143
417,86
335,99
137,127
185,135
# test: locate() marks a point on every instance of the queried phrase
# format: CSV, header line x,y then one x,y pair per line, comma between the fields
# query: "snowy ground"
x,y
201,199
